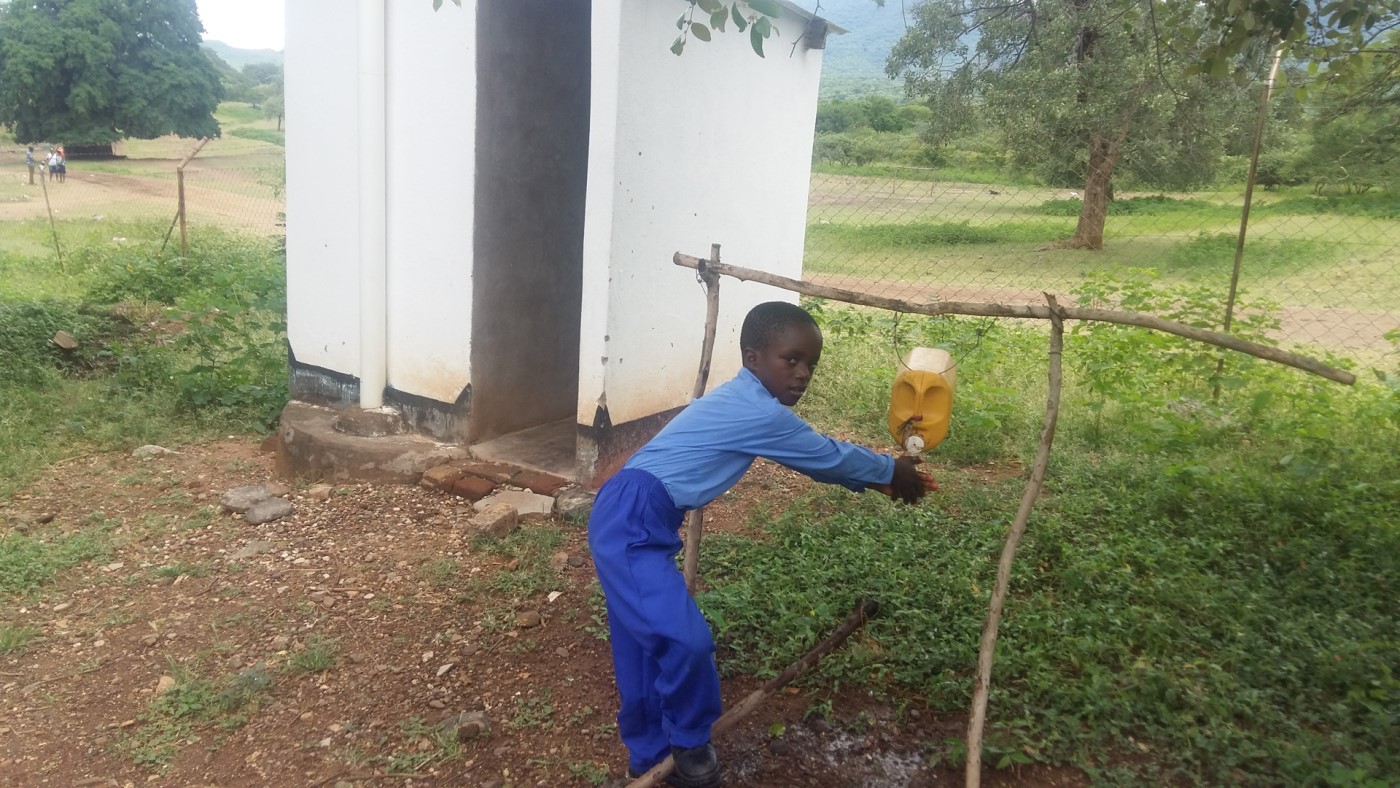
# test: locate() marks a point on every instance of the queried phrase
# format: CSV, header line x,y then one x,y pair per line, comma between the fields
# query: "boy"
x,y
663,653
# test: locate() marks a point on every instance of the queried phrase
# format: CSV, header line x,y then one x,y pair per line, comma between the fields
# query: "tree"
x,y
1077,87
91,72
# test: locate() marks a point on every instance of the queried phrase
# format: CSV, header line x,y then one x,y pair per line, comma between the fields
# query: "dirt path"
x,y
412,623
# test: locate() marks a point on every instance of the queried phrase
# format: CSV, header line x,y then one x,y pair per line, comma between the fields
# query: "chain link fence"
x,y
234,184
1321,253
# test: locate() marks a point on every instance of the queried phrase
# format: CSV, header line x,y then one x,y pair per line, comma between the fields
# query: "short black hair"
x,y
768,320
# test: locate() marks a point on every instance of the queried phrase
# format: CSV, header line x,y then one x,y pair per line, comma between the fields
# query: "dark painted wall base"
x,y
440,420
604,446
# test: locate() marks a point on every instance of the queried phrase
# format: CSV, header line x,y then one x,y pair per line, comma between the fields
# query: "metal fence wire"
x,y
1321,255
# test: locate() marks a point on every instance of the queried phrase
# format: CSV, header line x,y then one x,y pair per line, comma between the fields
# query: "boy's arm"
x,y
788,440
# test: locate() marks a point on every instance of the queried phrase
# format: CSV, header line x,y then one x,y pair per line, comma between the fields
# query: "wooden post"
x,y
1244,212
695,520
1037,312
986,650
53,227
180,207
180,211
865,610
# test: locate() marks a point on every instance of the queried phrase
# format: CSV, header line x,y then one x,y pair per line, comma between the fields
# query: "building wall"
x,y
532,165
430,82
713,146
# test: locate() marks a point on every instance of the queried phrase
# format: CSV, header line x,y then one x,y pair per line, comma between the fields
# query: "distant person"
x,y
52,162
29,162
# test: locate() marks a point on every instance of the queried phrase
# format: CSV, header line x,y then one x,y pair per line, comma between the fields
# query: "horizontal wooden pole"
x,y
1023,311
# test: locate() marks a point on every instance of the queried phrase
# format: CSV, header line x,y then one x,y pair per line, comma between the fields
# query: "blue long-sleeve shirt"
x,y
710,444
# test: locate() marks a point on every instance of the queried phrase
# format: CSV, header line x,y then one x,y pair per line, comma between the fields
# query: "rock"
x,y
562,652
437,704
150,451
65,340
537,482
513,564
525,503
558,561
241,499
256,547
234,663
466,726
441,477
278,489
280,642
470,649
344,784
779,747
819,725
62,606
45,518
498,520
164,685
319,492
266,511
150,640
577,561
574,504
528,619
442,671
472,488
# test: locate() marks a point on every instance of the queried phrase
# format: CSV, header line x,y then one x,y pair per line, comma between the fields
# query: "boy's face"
x,y
786,364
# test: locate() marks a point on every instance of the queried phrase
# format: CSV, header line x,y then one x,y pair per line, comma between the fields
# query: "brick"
x,y
472,488
537,482
440,477
492,471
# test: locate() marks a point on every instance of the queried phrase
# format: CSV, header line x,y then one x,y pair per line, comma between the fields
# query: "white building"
x,y
483,203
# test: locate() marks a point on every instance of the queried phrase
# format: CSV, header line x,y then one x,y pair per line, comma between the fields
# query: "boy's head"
x,y
781,346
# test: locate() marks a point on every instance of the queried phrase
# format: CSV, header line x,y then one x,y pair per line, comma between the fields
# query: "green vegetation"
x,y
319,655
171,349
261,135
1205,594
29,561
14,639
193,703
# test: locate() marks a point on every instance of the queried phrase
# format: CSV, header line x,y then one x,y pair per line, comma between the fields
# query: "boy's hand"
x,y
909,483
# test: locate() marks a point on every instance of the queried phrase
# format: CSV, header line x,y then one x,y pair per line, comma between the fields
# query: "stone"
x,y
558,561
466,726
268,510
65,340
241,499
344,784
312,448
278,489
528,619
491,471
378,423
577,561
498,520
150,451
45,518
150,640
574,504
562,652
280,642
779,747
319,492
164,685
472,488
234,663
255,547
525,503
441,477
513,564
442,671
539,482
437,704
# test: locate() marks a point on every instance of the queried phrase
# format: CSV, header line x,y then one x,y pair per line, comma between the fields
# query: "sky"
x,y
247,24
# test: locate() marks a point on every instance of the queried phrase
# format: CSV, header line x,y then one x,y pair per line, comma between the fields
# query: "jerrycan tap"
x,y
921,401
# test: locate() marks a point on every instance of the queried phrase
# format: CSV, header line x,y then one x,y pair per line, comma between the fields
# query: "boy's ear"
x,y
750,357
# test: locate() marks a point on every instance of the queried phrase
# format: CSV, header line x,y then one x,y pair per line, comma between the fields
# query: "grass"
x,y
1214,580
27,562
194,703
14,639
320,655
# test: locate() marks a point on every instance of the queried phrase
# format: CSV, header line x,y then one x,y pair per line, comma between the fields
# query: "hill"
x,y
238,58
854,63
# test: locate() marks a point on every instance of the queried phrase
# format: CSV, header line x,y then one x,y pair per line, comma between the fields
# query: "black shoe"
x,y
696,767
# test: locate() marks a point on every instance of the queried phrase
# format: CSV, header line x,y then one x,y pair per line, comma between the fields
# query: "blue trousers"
x,y
663,652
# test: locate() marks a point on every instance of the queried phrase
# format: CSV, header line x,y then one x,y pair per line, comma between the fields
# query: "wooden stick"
x,y
1038,312
52,225
987,649
695,520
180,186
865,610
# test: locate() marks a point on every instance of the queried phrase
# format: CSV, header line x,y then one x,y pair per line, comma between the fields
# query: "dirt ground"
x,y
355,625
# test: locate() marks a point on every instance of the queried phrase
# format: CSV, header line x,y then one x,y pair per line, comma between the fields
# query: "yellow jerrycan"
x,y
922,399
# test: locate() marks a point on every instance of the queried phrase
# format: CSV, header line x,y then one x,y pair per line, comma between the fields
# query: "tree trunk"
x,y
1103,154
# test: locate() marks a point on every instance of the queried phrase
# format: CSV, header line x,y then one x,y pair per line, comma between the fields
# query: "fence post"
x,y
1244,213
180,184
